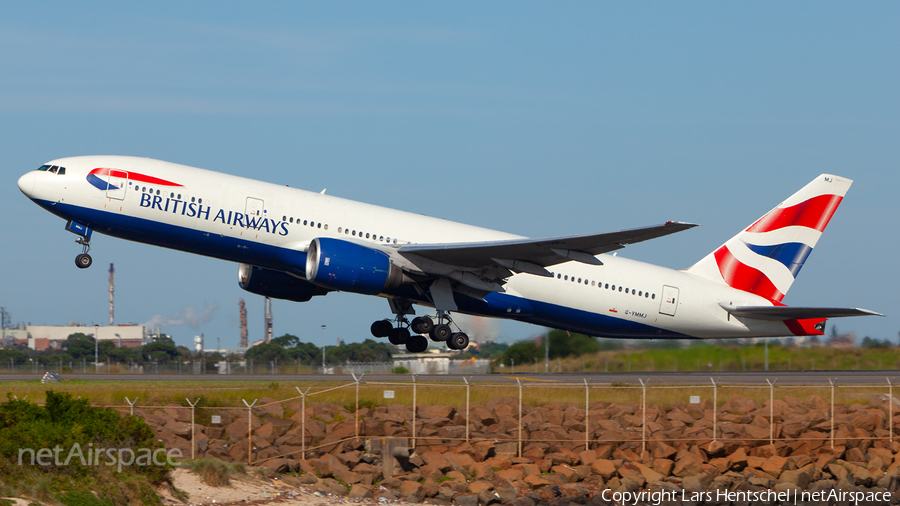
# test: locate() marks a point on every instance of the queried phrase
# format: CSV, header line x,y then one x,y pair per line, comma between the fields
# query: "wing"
x,y
517,254
779,313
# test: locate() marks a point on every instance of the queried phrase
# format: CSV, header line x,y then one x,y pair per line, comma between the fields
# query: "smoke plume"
x,y
188,316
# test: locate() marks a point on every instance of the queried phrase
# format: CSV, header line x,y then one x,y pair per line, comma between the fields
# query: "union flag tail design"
x,y
764,258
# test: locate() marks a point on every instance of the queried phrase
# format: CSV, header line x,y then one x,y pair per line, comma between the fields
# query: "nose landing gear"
x,y
83,261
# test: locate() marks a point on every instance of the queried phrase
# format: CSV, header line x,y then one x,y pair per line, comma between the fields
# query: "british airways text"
x,y
191,210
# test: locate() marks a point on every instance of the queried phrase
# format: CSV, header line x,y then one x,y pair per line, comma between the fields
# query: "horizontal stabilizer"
x,y
780,313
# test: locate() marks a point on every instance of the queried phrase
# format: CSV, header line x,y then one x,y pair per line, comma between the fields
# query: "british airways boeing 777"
x,y
293,244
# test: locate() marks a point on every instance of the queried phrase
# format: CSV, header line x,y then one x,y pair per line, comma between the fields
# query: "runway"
x,y
818,378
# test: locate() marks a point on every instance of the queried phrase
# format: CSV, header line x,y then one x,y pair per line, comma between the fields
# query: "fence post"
x,y
468,386
414,412
832,411
357,400
131,403
303,421
643,415
192,423
519,381
771,410
891,411
587,416
715,406
249,430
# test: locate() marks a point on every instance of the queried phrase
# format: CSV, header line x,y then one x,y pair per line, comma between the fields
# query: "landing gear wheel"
x,y
83,261
422,325
441,332
458,341
416,344
399,336
381,328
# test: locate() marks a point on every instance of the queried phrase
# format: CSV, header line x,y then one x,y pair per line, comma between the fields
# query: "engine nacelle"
x,y
350,267
276,284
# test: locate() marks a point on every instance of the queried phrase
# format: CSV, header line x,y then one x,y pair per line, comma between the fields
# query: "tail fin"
x,y
764,258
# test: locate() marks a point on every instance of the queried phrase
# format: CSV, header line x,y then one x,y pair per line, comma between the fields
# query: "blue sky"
x,y
534,118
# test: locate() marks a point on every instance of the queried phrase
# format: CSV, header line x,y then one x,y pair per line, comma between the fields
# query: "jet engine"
x,y
342,265
276,284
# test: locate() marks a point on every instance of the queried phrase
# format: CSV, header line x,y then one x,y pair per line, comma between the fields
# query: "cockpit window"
x,y
53,169
61,171
44,167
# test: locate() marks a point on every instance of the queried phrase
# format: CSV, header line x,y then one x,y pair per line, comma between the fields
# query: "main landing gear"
x,y
421,326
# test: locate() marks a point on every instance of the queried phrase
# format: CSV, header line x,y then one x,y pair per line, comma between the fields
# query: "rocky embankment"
x,y
680,456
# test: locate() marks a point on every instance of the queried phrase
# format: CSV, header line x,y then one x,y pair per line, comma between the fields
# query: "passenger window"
x,y
171,195
381,238
193,199
592,283
367,235
179,196
567,277
157,192
304,223
354,233
653,296
199,201
620,288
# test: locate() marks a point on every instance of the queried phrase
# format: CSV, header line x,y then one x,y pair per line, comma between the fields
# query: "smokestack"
x,y
244,343
112,272
268,320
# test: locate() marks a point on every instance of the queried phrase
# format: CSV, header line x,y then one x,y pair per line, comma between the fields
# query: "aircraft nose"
x,y
26,184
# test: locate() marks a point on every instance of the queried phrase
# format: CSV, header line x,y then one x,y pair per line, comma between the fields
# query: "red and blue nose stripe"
x,y
100,183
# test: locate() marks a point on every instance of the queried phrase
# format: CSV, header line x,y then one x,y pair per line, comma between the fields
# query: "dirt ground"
x,y
250,490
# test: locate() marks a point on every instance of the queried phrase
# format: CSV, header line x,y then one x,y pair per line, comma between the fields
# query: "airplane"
x,y
295,245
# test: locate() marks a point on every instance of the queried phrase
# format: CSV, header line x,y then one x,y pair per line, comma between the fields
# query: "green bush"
x,y
85,443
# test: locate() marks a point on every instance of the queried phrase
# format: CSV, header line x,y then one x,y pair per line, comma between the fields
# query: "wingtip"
x,y
684,224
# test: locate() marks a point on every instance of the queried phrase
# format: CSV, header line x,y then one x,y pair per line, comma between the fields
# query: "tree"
x,y
366,351
286,341
267,352
79,346
153,349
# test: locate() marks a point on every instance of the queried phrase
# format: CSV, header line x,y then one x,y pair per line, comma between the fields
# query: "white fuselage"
x,y
197,210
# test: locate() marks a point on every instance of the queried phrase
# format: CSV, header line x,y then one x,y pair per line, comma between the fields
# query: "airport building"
x,y
49,337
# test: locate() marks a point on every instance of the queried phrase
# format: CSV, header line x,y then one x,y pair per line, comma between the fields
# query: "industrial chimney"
x,y
112,272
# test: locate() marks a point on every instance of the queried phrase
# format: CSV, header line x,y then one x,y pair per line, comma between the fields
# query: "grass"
x,y
215,472
709,357
218,397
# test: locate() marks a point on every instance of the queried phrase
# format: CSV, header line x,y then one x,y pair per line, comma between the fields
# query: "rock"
x,y
359,491
796,478
604,468
466,500
437,460
688,465
775,465
411,491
